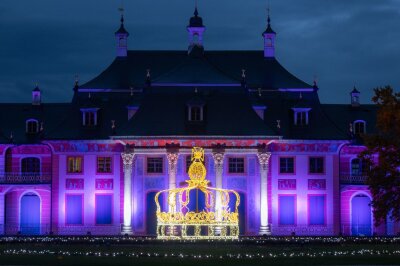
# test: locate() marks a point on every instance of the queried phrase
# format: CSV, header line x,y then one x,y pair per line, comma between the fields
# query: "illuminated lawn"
x,y
137,251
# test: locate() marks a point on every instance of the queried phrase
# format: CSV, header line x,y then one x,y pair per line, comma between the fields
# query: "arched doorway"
x,y
30,214
241,209
361,217
151,216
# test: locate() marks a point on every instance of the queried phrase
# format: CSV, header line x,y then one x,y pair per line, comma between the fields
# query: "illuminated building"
x,y
94,165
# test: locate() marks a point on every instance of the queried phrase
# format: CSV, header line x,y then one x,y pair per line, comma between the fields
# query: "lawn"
x,y
247,251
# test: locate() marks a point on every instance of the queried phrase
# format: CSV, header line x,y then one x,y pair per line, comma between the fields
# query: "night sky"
x,y
342,42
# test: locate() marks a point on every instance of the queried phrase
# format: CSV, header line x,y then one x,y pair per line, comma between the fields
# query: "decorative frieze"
x,y
104,184
286,184
74,184
316,184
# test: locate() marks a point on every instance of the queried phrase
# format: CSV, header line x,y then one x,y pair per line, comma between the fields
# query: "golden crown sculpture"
x,y
216,221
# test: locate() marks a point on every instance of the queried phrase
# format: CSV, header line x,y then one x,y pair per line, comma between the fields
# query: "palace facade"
x,y
93,165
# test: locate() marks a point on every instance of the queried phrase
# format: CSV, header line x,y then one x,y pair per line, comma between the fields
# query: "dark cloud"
x,y
344,43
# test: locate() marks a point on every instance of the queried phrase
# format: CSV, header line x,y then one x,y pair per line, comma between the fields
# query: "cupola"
x,y
121,36
36,96
355,97
269,40
195,30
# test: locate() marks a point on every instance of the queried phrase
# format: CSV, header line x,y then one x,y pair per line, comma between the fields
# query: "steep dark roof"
x,y
226,113
212,78
214,67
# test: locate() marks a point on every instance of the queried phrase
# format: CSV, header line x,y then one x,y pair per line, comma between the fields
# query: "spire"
x,y
122,29
36,95
76,84
121,36
269,29
195,29
196,21
315,84
269,38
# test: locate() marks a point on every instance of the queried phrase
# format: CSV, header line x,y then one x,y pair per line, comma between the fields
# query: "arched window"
x,y
32,126
122,42
196,38
30,165
359,127
268,42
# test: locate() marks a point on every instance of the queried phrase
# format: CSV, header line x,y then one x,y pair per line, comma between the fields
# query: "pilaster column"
x,y
263,159
128,161
218,168
172,163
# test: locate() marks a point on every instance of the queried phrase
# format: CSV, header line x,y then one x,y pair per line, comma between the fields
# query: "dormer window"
x,y
32,126
359,127
301,116
89,117
195,113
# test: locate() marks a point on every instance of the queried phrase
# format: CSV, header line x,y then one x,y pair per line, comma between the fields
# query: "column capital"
x,y
127,159
218,158
263,159
172,158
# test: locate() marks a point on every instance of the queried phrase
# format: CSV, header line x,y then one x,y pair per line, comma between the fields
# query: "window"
x,y
316,210
195,113
122,42
316,165
301,117
89,119
358,167
359,127
236,165
155,165
89,116
268,42
30,165
74,165
286,165
103,164
104,209
32,126
74,210
287,209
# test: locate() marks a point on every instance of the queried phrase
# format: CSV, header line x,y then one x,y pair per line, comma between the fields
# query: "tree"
x,y
383,156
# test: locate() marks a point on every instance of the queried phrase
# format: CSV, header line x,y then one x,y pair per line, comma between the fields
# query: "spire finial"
x,y
196,13
268,15
315,83
121,10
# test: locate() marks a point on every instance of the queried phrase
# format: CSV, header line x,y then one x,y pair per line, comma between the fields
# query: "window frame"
x,y
82,165
228,166
200,113
294,165
111,165
297,111
362,171
162,165
323,172
30,172
93,111
364,127
27,127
